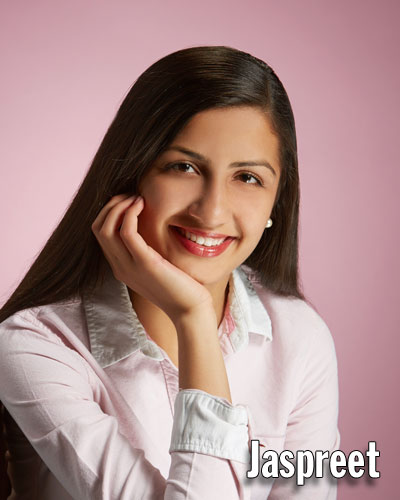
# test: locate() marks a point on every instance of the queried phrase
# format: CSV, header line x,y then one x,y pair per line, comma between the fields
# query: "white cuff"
x,y
210,425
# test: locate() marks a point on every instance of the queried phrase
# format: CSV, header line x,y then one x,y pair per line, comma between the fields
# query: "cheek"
x,y
255,235
254,219
159,206
253,226
163,200
162,195
148,217
155,202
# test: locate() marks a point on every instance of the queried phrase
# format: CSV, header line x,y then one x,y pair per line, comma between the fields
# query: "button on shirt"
x,y
95,409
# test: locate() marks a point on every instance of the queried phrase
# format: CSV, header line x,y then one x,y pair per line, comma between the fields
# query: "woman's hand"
x,y
183,299
140,267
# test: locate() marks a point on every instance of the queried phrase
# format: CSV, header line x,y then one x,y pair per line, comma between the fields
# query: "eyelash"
x,y
174,166
248,174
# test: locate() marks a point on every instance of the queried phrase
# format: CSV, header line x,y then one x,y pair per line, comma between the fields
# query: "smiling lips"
x,y
202,244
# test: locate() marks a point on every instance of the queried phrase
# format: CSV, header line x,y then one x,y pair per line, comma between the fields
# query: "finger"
x,y
130,223
114,250
114,219
102,215
129,228
105,231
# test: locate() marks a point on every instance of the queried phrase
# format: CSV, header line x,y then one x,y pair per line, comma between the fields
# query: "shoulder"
x,y
39,350
296,325
59,323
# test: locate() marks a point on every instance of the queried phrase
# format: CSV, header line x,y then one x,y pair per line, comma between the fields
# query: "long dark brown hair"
x,y
157,107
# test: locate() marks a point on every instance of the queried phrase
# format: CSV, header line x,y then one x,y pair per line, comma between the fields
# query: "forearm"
x,y
201,364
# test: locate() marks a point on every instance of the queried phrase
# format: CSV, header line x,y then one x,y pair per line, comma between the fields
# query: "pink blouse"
x,y
102,416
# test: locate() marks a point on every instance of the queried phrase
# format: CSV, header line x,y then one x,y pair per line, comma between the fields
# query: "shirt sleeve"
x,y
217,433
46,388
312,423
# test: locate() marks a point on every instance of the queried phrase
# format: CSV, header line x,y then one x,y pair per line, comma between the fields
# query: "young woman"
x,y
162,328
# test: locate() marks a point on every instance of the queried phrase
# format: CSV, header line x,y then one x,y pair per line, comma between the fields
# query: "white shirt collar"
x,y
247,310
115,331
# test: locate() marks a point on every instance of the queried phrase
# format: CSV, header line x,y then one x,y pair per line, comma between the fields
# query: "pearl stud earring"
x,y
269,223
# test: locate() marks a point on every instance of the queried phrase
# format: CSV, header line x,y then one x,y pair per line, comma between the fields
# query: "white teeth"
x,y
200,240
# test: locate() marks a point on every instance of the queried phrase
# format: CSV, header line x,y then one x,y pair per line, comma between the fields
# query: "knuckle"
x,y
104,233
126,234
118,198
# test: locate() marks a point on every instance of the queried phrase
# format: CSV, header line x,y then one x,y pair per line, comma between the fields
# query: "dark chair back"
x,y
5,485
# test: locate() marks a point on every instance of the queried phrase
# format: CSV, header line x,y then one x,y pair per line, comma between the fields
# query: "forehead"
x,y
240,133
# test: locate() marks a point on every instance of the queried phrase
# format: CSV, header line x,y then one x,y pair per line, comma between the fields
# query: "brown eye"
x,y
182,167
249,178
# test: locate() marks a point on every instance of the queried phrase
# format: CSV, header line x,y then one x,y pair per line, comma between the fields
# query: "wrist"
x,y
200,316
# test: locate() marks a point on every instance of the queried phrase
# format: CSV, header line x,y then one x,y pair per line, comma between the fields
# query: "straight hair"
x,y
159,104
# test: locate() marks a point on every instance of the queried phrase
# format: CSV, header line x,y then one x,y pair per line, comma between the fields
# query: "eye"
x,y
182,167
248,178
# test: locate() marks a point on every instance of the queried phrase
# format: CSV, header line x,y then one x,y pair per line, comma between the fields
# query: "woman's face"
x,y
209,195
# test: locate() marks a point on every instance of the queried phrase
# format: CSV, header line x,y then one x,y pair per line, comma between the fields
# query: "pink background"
x,y
66,68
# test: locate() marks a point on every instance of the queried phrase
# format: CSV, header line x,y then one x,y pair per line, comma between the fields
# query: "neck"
x,y
219,294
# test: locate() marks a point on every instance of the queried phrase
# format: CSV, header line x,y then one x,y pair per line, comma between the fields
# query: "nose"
x,y
211,208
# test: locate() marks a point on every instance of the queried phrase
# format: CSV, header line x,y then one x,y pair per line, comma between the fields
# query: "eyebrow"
x,y
235,164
